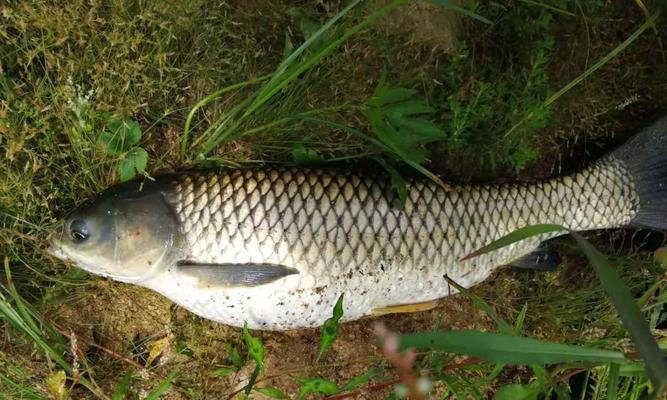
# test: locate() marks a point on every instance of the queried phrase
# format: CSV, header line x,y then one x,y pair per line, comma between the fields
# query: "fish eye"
x,y
78,230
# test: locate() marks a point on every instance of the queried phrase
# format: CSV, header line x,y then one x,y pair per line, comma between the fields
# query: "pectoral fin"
x,y
405,308
543,258
235,274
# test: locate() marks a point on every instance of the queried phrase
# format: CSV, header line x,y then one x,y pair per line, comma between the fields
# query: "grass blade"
x,y
631,316
507,349
451,6
503,326
271,392
23,322
516,236
17,389
164,386
256,351
612,382
274,85
201,103
602,62
286,72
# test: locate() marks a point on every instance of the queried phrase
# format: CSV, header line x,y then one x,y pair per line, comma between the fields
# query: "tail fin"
x,y
645,157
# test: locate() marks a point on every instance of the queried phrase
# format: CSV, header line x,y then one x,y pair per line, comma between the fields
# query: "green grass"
x,y
67,73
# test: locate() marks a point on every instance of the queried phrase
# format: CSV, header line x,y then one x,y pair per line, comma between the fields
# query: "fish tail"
x,y
645,159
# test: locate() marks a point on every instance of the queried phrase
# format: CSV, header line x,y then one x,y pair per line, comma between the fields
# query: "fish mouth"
x,y
55,248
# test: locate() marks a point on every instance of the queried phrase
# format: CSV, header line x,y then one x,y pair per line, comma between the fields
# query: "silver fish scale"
x,y
346,233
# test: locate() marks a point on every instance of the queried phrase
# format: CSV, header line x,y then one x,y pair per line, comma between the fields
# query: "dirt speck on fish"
x,y
255,245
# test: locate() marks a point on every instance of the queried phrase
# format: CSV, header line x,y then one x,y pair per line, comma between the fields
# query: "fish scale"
x,y
346,233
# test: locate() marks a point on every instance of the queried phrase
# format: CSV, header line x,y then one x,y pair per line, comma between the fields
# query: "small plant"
x,y
256,351
120,140
330,328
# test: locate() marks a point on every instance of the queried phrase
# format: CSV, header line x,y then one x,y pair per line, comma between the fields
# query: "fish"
x,y
275,248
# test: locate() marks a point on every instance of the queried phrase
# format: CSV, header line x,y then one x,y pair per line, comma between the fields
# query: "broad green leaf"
x,y
631,316
255,346
517,391
133,163
380,145
113,145
401,145
388,95
163,386
417,130
271,392
397,182
303,155
315,385
454,7
123,386
330,328
507,349
409,108
233,355
360,380
516,236
120,136
223,371
396,123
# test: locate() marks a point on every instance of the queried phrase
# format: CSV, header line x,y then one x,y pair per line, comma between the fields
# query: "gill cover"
x,y
126,234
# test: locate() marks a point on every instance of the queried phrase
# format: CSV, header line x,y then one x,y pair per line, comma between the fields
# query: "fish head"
x,y
122,235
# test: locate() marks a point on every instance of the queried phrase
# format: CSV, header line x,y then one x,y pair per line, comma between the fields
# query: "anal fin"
x,y
405,308
543,258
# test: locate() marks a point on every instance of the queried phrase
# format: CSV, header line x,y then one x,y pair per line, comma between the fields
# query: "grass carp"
x,y
276,247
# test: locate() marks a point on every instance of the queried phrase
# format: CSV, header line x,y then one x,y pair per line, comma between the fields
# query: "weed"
x,y
481,108
120,139
330,328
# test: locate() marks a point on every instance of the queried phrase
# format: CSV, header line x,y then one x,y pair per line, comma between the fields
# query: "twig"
x,y
570,375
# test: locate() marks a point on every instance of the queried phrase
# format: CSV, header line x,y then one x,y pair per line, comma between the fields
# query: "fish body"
x,y
275,248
